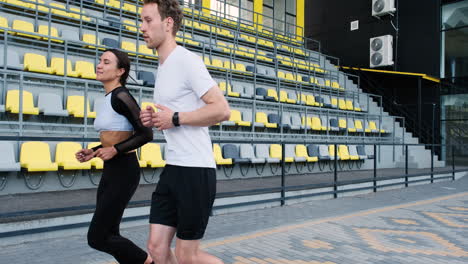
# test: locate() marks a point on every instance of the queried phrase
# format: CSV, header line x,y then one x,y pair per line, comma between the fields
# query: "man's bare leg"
x,y
159,244
189,252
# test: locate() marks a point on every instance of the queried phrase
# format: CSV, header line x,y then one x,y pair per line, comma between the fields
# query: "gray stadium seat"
x,y
7,158
114,22
13,59
353,151
323,120
263,151
270,73
70,35
274,118
50,104
111,43
334,124
147,78
132,78
323,153
251,68
248,90
292,95
247,152
2,108
286,120
313,150
247,116
260,93
361,150
291,152
350,123
326,101
230,151
296,123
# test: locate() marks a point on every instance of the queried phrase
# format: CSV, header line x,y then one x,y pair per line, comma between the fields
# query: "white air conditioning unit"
x,y
381,51
382,7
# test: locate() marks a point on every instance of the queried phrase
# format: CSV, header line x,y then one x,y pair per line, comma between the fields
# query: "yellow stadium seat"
x,y
311,100
302,98
334,102
90,39
44,30
130,25
272,93
75,106
219,156
151,154
349,105
58,67
59,10
229,65
241,67
35,156
261,117
21,25
85,69
284,98
331,152
130,47
97,163
207,61
342,104
373,128
358,125
18,3
281,75
13,103
36,63
145,50
217,63
343,152
78,14
317,124
113,3
236,116
290,77
130,8
276,153
3,23
228,89
301,151
65,156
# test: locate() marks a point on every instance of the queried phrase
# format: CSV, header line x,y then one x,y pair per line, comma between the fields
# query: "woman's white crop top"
x,y
119,111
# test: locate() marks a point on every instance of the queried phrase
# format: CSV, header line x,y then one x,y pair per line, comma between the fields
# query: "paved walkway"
x,y
419,224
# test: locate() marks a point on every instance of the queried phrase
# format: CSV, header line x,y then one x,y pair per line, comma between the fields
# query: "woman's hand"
x,y
84,155
105,153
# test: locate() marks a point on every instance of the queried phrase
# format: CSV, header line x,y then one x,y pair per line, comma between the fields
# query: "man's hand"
x,y
84,155
146,116
106,153
163,118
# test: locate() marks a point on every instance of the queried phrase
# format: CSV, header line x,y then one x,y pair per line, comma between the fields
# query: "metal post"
x,y
335,173
419,106
406,165
453,162
375,168
432,163
283,194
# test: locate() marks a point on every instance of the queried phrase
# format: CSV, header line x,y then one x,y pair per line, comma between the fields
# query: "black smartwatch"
x,y
175,119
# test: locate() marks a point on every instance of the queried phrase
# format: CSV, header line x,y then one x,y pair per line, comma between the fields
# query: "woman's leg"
x,y
119,181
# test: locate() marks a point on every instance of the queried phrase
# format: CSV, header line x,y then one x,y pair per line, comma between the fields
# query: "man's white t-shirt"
x,y
180,83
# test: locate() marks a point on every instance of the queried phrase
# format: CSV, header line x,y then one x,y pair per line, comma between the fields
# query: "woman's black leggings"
x,y
120,178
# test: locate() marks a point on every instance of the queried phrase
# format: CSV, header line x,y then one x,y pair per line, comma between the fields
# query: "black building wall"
x,y
418,47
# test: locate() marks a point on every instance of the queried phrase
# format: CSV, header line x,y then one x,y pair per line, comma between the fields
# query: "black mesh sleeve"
x,y
124,103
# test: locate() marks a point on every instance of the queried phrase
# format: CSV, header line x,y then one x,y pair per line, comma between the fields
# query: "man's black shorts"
x,y
183,199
